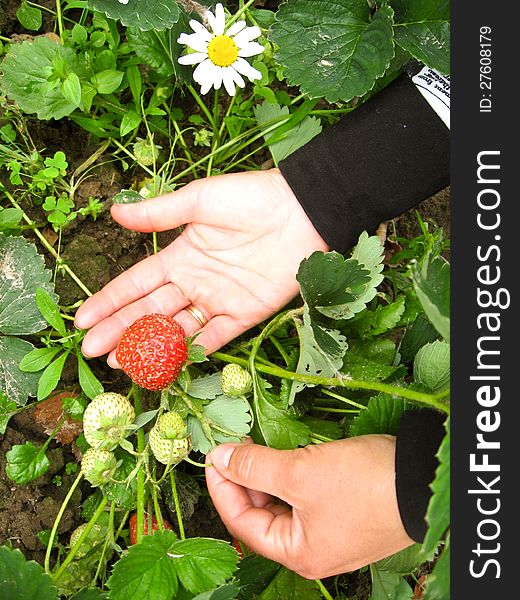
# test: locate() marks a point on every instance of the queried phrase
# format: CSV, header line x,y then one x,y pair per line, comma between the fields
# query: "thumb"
x,y
161,213
257,468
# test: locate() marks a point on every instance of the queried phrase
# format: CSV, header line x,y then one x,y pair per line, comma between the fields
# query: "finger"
x,y
257,468
140,280
219,331
264,531
161,213
105,336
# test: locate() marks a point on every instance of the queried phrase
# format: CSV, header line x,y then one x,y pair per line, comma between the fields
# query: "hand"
x,y
320,510
236,261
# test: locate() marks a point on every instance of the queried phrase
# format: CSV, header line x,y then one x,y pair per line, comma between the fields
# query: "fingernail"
x,y
221,456
127,197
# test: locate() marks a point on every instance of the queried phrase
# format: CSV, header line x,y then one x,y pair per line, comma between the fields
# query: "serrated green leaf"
x,y
254,575
92,594
420,333
382,319
360,368
333,49
26,463
207,387
88,382
423,30
388,586
16,384
293,139
225,592
21,579
22,271
38,359
7,410
380,350
127,197
158,15
27,69
277,424
147,571
432,365
438,513
405,561
431,281
287,585
50,311
203,563
382,415
50,378
438,582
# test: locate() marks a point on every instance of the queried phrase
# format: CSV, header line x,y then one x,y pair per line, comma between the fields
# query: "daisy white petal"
x,y
238,79
229,82
246,36
203,71
220,19
205,87
236,28
251,49
194,41
193,59
243,67
200,29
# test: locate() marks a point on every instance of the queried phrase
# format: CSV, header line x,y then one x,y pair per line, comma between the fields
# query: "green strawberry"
x,y
107,420
168,451
98,466
94,538
236,381
171,426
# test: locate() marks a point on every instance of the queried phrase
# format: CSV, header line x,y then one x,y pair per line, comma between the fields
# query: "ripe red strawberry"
x,y
155,526
152,351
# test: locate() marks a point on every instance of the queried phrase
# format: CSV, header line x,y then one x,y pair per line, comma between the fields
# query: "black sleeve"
x,y
379,161
418,439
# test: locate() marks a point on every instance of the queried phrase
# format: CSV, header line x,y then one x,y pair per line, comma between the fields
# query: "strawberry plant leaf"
x,y
206,388
438,582
26,463
420,333
92,594
16,384
405,561
158,15
22,271
21,579
147,571
295,138
89,383
30,17
438,513
388,586
276,424
290,586
28,69
334,50
203,563
360,368
432,365
7,410
123,494
254,574
38,359
50,311
431,280
51,376
382,319
224,592
382,415
423,30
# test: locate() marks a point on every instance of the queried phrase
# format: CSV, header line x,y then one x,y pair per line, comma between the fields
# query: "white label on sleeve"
x,y
436,90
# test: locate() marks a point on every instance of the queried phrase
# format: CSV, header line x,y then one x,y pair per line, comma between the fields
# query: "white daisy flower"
x,y
220,54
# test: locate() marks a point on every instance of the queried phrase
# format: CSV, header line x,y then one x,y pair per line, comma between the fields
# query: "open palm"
x,y
236,261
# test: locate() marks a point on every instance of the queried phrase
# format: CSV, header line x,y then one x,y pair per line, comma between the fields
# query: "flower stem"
x,y
52,536
177,505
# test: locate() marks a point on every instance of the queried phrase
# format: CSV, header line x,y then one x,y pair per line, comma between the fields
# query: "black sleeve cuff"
x,y
385,157
418,440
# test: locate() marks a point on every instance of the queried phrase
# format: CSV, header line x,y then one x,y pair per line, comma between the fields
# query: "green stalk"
x,y
433,400
88,529
157,509
59,18
109,537
47,562
323,590
140,473
239,13
203,107
177,505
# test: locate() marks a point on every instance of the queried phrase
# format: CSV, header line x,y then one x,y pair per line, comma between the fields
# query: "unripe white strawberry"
x,y
168,451
107,419
171,426
94,537
98,466
236,381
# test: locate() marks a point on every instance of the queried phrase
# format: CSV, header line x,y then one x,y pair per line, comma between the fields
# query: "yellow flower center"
x,y
222,51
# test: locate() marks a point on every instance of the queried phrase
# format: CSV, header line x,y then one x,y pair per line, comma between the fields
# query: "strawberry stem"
x,y
140,473
177,505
